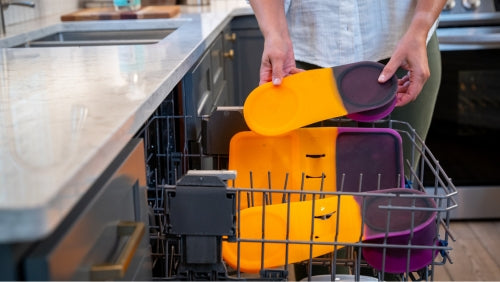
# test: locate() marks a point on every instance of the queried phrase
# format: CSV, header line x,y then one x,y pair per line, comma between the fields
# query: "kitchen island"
x,y
66,113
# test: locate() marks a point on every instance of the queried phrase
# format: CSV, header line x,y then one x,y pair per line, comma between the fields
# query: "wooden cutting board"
x,y
109,13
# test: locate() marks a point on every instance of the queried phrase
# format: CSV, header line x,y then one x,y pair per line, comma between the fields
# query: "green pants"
x,y
419,112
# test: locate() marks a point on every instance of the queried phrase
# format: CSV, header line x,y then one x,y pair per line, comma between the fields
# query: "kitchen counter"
x,y
66,112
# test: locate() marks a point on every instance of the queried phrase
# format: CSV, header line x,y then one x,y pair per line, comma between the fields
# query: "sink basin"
x,y
95,33
99,38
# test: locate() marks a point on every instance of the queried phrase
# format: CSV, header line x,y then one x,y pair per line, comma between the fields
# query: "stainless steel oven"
x,y
465,131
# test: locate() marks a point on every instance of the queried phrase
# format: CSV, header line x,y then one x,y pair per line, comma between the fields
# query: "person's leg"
x,y
419,112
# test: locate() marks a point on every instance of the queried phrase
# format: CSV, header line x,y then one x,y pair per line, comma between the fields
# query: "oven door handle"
x,y
474,39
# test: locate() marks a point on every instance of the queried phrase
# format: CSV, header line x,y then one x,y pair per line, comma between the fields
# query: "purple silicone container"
x,y
399,231
374,153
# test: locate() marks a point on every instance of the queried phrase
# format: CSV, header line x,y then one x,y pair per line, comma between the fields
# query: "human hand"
x,y
411,55
278,60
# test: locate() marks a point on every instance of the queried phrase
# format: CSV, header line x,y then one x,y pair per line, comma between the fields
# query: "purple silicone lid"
x,y
364,98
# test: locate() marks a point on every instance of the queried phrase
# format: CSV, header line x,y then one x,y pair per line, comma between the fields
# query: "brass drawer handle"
x,y
117,270
230,37
229,54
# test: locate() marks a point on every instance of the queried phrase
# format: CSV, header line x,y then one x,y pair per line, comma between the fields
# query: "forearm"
x,y
411,52
426,14
278,59
270,15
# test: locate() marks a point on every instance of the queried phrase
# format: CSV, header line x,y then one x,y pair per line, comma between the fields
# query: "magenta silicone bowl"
x,y
412,224
375,114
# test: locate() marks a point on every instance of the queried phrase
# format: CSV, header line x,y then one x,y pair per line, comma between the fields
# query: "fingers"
x,y
278,60
265,73
388,71
280,71
266,76
277,79
410,85
278,74
404,80
268,73
402,97
403,84
405,91
408,93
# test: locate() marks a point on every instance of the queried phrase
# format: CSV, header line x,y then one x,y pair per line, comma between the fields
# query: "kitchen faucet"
x,y
4,4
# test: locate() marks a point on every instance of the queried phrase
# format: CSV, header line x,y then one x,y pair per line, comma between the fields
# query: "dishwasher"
x,y
321,203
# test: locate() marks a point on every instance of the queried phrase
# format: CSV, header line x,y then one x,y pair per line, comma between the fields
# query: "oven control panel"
x,y
471,6
470,13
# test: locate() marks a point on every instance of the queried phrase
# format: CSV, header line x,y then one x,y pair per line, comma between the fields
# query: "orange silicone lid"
x,y
301,99
328,213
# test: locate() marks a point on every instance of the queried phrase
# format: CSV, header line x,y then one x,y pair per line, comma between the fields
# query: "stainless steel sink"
x,y
95,33
99,38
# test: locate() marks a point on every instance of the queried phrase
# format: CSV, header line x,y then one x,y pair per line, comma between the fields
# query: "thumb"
x,y
277,75
388,71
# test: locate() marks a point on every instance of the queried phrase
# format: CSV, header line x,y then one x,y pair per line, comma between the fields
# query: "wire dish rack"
x,y
205,226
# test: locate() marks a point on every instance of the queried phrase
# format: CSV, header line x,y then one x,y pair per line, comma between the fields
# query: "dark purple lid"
x,y
363,96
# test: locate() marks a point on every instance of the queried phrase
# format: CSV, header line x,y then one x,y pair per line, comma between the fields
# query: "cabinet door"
x,y
248,48
217,67
228,39
205,86
197,96
105,237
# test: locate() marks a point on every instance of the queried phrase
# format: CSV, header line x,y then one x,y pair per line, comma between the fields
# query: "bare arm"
x,y
278,59
411,52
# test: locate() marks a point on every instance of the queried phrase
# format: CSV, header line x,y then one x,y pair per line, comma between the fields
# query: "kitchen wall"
x,y
18,14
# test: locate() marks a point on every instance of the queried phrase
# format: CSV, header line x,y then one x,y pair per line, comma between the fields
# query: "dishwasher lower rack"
x,y
198,232
385,234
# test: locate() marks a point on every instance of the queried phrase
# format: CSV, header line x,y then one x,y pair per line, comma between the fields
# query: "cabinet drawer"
x,y
201,93
217,64
248,48
108,225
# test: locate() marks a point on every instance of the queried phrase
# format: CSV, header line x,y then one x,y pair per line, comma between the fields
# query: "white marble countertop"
x,y
66,112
